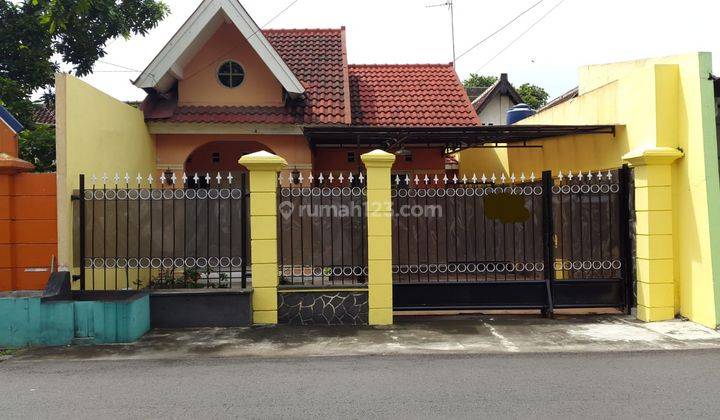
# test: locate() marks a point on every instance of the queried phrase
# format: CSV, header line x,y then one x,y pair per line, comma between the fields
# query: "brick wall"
x,y
28,230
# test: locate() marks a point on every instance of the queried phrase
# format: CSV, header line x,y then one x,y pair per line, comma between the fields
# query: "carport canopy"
x,y
453,139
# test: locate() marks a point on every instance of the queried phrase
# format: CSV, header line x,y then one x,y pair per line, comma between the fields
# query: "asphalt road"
x,y
589,385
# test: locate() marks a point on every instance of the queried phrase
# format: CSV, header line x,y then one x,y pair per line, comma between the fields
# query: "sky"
x,y
574,33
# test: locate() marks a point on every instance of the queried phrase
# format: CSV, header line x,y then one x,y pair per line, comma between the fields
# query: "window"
x,y
231,74
409,157
216,157
351,157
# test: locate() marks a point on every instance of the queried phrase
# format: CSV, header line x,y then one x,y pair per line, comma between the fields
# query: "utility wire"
x,y
499,29
260,28
279,14
520,36
119,66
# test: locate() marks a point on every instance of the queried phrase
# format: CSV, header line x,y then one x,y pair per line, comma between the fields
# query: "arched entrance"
x,y
218,157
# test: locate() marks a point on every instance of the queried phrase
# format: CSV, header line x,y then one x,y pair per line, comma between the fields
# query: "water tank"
x,y
519,112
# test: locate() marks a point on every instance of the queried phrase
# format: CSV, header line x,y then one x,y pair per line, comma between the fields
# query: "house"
x,y
9,130
222,88
492,103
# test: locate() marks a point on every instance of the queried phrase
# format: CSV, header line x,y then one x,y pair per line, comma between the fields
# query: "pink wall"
x,y
199,84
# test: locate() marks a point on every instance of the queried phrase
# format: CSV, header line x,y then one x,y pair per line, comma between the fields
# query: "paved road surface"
x,y
588,385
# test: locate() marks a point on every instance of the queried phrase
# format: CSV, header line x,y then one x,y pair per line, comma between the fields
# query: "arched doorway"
x,y
218,157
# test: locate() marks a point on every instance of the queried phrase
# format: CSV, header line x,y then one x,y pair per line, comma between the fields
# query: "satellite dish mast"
x,y
449,4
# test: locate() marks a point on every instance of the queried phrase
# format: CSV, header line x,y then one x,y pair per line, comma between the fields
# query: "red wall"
x,y
28,230
423,160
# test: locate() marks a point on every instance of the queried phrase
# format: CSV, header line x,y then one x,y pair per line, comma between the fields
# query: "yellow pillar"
x,y
264,168
654,229
379,225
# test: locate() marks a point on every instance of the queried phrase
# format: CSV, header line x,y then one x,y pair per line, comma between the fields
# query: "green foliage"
x,y
80,28
188,279
476,80
37,146
533,95
34,32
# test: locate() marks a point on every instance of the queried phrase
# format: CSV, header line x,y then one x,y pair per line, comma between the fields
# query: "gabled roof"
x,y
397,95
44,115
167,66
10,121
316,56
571,94
501,87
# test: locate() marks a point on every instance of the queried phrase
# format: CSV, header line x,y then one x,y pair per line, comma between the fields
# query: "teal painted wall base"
x,y
28,321
112,322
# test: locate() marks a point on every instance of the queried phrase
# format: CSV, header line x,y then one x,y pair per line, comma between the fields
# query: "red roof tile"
x,y
317,58
409,95
44,115
375,95
236,114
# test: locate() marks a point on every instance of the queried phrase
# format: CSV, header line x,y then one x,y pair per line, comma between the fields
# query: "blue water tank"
x,y
519,112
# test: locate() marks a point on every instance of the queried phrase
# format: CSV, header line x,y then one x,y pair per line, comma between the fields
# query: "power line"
x,y
520,36
279,13
119,66
291,4
499,29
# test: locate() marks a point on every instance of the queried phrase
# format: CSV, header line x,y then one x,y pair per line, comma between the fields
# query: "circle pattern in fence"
x,y
323,192
469,268
163,194
588,265
314,271
441,192
162,263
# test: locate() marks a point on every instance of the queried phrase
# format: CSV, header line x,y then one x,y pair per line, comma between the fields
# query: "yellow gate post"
x,y
264,168
379,227
654,229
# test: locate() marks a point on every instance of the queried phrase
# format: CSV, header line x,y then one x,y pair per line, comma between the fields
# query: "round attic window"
x,y
231,74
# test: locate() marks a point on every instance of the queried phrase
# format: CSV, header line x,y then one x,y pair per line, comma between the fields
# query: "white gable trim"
x,y
166,67
7,124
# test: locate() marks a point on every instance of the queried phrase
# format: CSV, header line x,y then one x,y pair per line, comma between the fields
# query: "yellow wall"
x,y
664,102
96,134
486,160
199,84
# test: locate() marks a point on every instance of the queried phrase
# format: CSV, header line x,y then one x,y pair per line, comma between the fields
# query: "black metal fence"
x,y
134,233
322,229
447,230
512,242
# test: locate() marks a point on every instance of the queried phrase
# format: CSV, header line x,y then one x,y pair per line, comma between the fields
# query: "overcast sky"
x,y
576,33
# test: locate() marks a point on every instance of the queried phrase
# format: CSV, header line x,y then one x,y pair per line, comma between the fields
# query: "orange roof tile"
x,y
409,95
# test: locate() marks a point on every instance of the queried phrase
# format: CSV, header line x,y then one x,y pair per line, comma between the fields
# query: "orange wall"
x,y
174,149
8,140
28,230
423,160
199,84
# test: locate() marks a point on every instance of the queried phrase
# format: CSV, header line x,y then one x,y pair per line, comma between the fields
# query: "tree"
x,y
533,95
38,147
476,80
36,32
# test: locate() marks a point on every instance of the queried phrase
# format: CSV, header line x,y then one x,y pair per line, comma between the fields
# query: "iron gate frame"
x,y
546,294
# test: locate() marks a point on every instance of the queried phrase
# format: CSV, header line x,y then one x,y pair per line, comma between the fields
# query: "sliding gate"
x,y
559,241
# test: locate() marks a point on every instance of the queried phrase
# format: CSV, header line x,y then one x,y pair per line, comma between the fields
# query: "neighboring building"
x,y
493,103
9,130
44,115
222,88
567,96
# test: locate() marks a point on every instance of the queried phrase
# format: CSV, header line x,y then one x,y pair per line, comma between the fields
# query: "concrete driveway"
x,y
410,336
